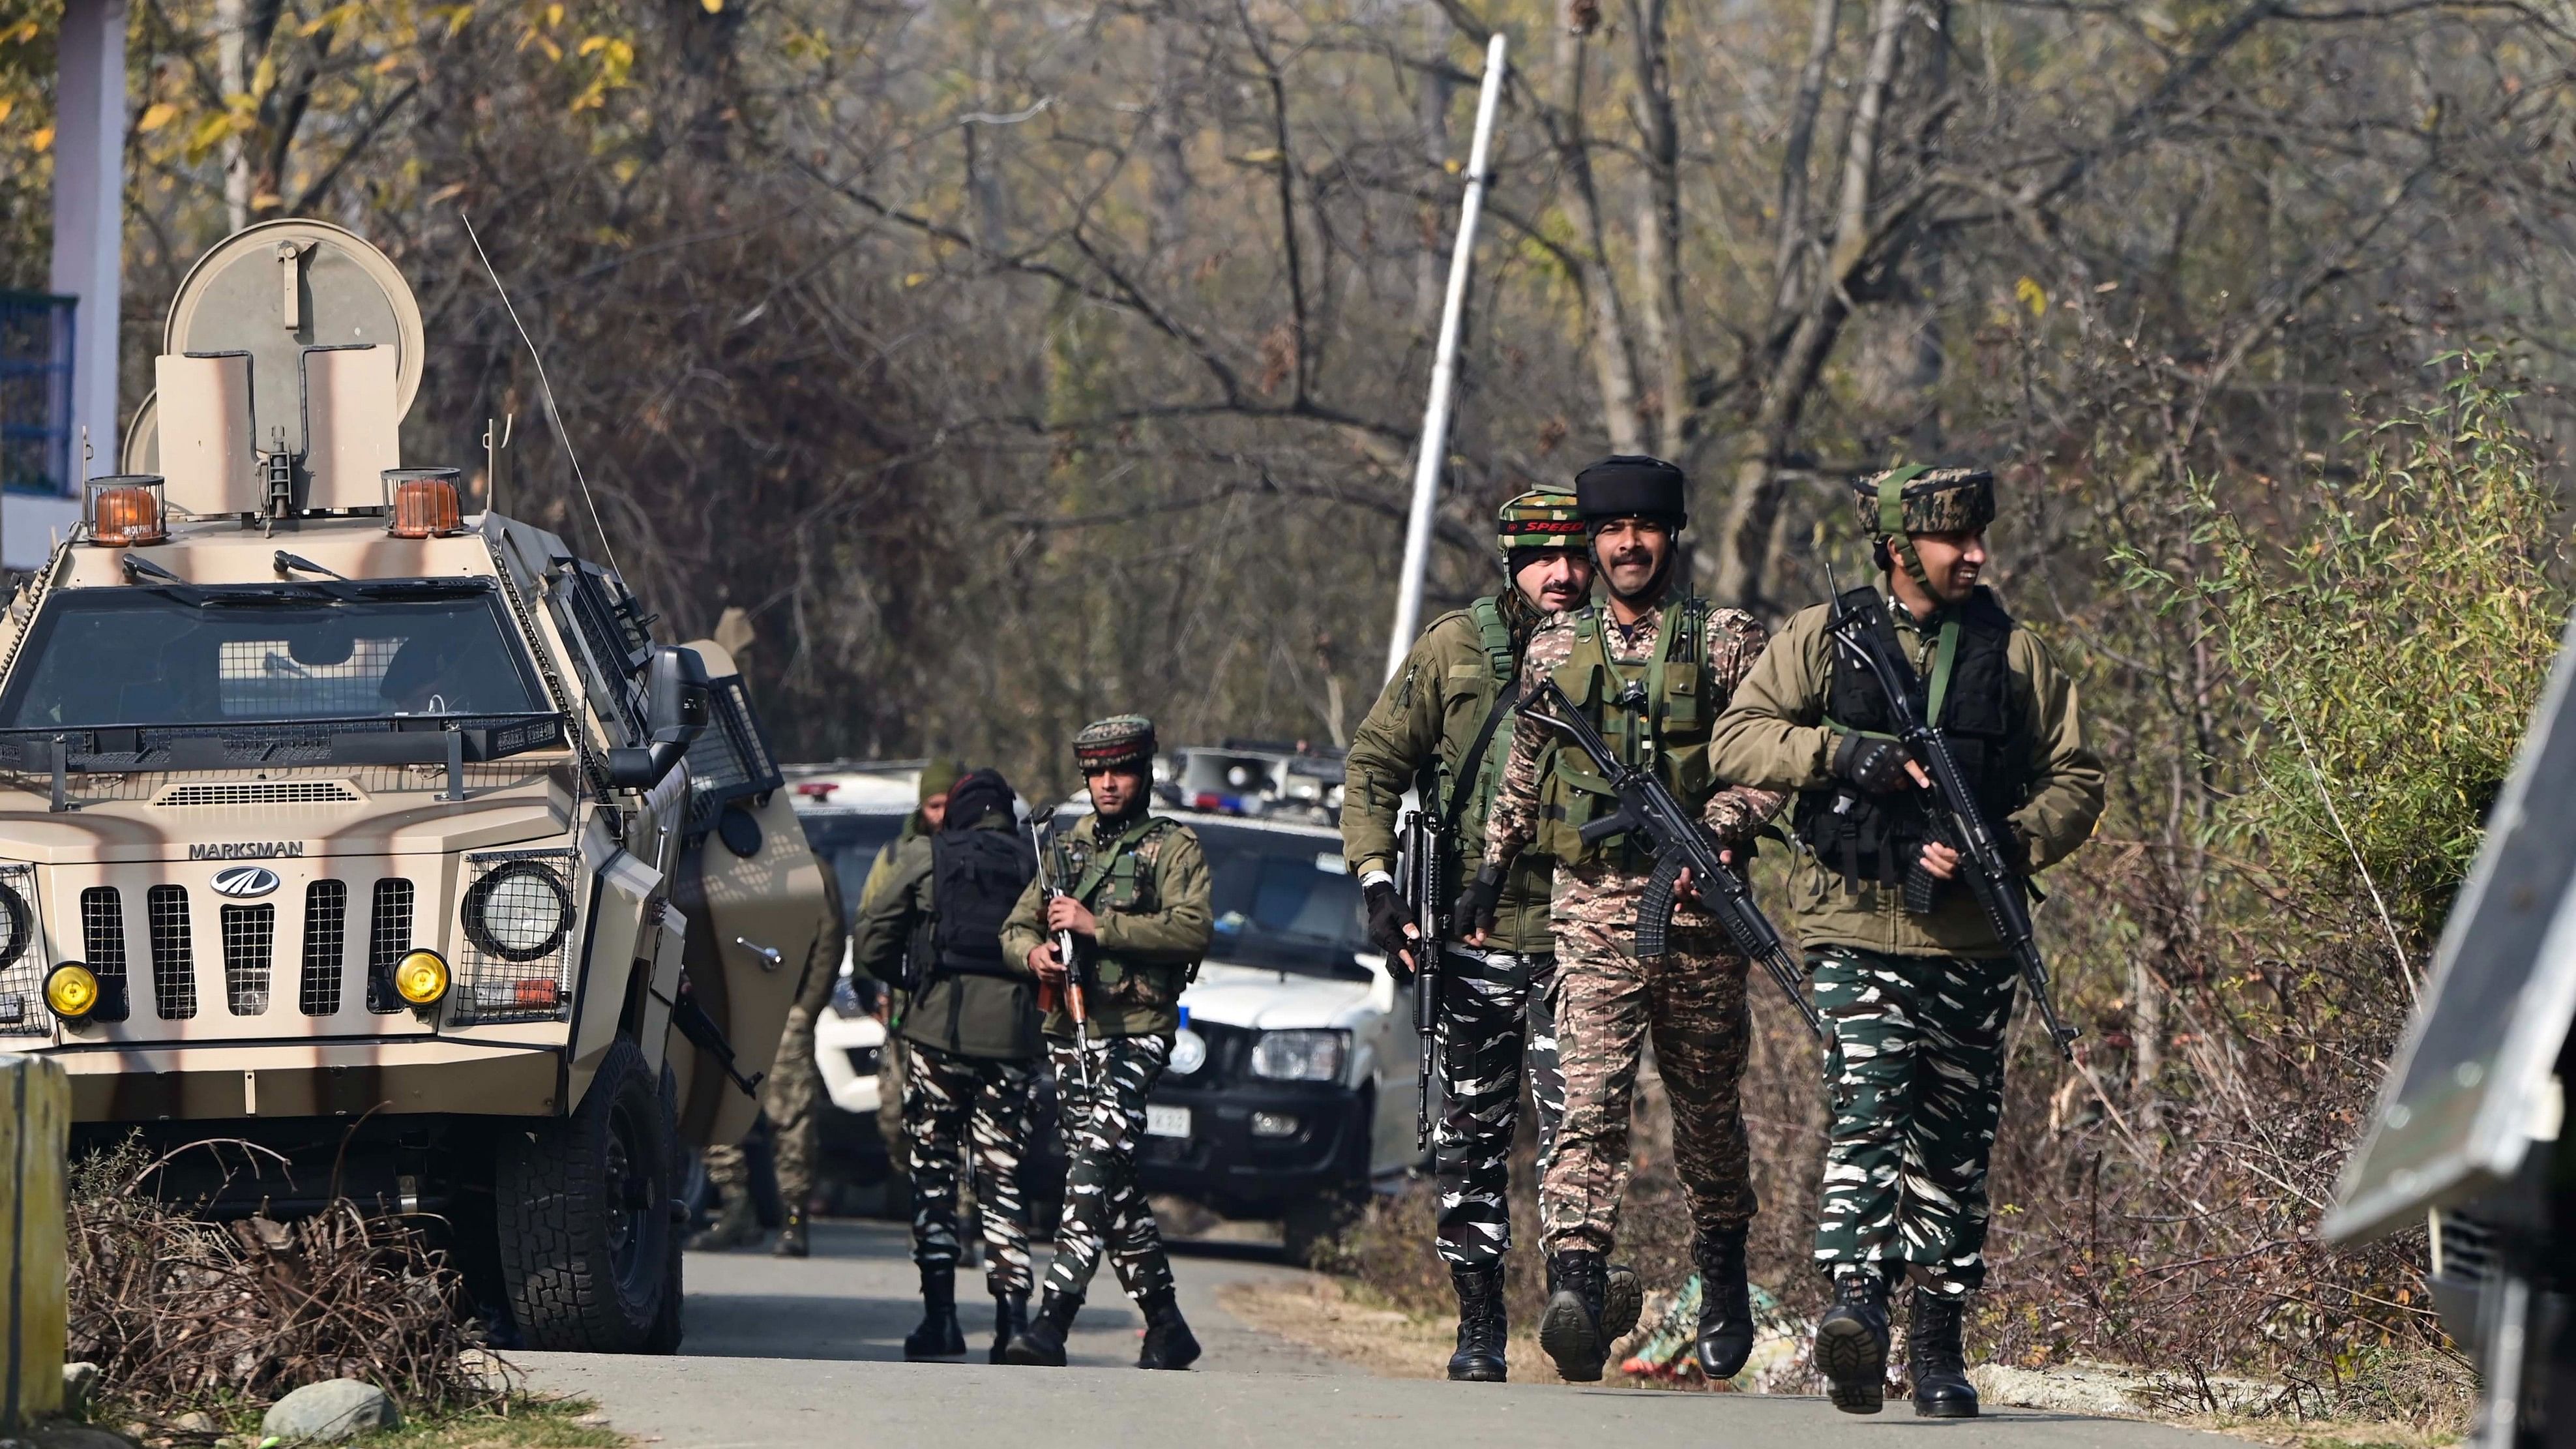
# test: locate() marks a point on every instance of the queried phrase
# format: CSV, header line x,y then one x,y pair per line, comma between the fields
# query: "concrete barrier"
x,y
35,1126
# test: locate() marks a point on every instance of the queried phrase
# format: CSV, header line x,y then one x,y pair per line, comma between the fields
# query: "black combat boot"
x,y
1725,1305
1623,1302
1481,1326
1010,1320
1169,1344
938,1336
1041,1343
1851,1343
1571,1331
1935,1359
791,1236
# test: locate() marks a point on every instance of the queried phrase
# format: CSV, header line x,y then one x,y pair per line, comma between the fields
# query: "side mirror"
x,y
677,705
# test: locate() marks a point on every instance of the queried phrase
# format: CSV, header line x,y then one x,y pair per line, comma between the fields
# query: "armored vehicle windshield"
x,y
181,655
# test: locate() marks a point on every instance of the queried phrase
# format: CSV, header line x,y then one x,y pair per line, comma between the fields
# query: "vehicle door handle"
x,y
770,956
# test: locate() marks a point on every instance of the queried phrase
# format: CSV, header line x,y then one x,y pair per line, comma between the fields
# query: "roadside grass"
x,y
519,1421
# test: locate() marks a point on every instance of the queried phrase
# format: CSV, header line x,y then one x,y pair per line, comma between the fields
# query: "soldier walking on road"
x,y
972,1023
938,777
1136,900
1444,726
1651,670
1918,998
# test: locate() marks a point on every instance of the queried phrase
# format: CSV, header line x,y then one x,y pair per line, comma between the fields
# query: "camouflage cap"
x,y
1917,499
1121,739
1542,518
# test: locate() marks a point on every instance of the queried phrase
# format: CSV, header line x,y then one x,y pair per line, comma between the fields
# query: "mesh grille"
x,y
250,947
388,937
272,792
326,932
103,945
729,759
519,919
174,959
22,956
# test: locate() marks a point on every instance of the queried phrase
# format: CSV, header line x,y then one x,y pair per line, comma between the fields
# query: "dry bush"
x,y
180,1312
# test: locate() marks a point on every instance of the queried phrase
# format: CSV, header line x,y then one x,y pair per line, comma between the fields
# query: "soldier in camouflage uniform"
x,y
787,1098
972,1024
938,776
1918,999
1137,902
1443,726
1651,669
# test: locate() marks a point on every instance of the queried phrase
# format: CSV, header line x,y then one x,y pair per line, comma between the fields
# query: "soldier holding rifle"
x,y
1442,728
1131,889
1914,962
1649,671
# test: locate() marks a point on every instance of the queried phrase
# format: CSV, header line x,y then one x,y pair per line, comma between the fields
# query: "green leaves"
x,y
2393,631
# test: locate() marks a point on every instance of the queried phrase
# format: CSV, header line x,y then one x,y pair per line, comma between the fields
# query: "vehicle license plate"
x,y
1166,1121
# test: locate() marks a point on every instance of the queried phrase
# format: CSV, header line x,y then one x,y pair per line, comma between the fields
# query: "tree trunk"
x,y
1614,362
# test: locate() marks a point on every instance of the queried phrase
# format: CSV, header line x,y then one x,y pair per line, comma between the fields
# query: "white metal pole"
x,y
1444,373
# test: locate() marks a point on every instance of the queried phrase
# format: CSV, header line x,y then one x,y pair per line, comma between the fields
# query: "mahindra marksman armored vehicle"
x,y
379,839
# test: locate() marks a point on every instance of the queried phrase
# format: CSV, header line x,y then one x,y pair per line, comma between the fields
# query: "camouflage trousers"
x,y
1494,1025
958,1109
1104,1209
894,1062
1608,1004
1922,1088
788,1096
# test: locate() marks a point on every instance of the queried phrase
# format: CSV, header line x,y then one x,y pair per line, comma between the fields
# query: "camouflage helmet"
x,y
1917,499
1901,502
1542,519
1115,742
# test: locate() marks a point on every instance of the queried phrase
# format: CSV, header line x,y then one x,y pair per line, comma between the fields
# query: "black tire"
x,y
588,1248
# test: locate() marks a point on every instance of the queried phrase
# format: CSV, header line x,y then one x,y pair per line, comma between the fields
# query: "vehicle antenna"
x,y
552,412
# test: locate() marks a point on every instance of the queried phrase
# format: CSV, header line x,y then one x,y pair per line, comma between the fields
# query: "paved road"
x,y
807,1355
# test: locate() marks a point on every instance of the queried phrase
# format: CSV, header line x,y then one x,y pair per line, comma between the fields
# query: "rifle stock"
x,y
1956,819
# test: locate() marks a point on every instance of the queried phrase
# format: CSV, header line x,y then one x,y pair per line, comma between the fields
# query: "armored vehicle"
x,y
378,838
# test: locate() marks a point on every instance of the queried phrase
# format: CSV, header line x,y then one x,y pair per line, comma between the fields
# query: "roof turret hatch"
x,y
292,352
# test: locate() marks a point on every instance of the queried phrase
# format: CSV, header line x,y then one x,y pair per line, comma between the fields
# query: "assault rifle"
x,y
1861,631
1426,850
1679,842
1051,887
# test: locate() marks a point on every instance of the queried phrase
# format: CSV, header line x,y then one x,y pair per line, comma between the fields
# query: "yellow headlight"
x,y
71,991
420,977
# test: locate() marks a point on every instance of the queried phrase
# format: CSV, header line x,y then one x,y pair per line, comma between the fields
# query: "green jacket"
x,y
1772,735
967,1016
1432,710
1155,916
880,870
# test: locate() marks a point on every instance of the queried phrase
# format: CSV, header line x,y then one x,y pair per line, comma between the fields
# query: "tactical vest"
x,y
1968,695
1655,715
1109,876
1465,801
976,877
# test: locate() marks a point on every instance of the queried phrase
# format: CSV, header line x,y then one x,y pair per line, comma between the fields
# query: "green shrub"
x,y
2394,631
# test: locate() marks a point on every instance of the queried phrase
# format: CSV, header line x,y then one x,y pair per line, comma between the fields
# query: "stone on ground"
x,y
333,1409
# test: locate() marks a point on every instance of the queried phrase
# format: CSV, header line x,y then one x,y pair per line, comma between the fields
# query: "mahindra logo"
x,y
245,882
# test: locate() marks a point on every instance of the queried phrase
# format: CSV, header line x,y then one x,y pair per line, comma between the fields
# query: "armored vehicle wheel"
x,y
588,1248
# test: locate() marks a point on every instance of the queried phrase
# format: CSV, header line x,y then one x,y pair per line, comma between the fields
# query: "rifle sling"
x,y
1462,783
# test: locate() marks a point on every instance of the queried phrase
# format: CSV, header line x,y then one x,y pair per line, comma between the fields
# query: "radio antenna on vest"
x,y
553,413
